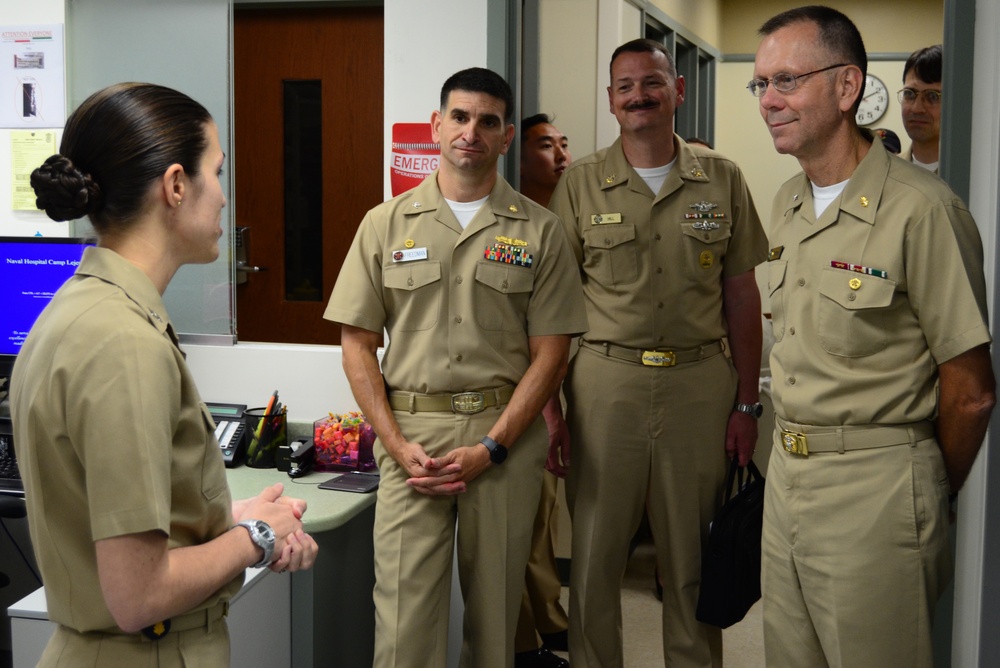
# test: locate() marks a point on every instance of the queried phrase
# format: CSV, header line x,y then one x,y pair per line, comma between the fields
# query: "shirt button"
x,y
505,285
409,281
659,270
791,380
851,297
657,237
458,319
802,282
458,358
607,242
458,279
791,330
660,305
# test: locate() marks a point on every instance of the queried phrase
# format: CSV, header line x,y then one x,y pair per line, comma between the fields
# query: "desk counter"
x,y
328,510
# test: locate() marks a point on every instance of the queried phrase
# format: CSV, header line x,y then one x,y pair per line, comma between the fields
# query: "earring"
x,y
178,201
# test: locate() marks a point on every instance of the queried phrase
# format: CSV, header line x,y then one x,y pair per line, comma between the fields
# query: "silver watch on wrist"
x,y
753,410
262,535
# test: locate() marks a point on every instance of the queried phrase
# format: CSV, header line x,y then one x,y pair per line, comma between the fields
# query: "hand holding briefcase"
x,y
730,565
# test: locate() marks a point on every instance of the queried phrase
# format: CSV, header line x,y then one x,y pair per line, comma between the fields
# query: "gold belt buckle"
x,y
794,442
468,403
658,358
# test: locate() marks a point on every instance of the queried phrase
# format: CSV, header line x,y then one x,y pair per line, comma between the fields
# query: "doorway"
x,y
308,88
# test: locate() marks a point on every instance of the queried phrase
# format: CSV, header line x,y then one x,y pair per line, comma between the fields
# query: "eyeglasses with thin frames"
x,y
930,96
783,82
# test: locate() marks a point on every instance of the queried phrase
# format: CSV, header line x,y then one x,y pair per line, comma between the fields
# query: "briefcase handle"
x,y
737,472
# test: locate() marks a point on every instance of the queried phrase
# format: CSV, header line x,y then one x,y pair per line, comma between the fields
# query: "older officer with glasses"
x,y
883,385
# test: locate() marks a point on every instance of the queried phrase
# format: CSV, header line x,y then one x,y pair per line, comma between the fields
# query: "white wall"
x,y
426,41
21,223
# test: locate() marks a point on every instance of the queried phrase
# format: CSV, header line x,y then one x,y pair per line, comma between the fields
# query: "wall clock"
x,y
874,102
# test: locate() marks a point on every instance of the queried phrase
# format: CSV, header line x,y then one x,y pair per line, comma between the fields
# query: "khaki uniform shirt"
x,y
652,271
458,304
868,300
111,435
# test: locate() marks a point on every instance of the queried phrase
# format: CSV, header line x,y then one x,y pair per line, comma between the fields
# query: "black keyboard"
x,y
10,477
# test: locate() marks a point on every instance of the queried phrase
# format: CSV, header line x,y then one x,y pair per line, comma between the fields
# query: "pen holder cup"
x,y
267,434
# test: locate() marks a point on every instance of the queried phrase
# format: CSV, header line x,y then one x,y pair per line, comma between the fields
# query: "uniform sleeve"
x,y
357,297
945,282
557,305
126,399
748,247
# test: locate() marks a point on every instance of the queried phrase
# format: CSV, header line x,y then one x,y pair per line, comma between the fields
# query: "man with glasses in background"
x,y
882,379
921,103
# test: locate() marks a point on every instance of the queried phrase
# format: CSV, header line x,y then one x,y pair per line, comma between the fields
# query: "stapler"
x,y
302,459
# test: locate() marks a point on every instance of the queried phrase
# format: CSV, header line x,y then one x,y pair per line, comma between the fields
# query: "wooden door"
x,y
308,160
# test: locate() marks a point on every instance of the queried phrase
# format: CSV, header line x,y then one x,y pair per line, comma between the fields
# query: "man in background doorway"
x,y
542,625
882,378
667,238
920,99
545,155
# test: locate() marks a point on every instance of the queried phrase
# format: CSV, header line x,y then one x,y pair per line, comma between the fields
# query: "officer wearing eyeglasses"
x,y
882,379
920,100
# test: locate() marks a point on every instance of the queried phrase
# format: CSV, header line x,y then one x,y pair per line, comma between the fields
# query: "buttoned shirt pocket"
x,y
775,286
502,295
212,482
416,298
610,254
707,241
852,312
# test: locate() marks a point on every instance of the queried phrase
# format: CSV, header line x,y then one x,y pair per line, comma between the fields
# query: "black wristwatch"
x,y
498,453
753,410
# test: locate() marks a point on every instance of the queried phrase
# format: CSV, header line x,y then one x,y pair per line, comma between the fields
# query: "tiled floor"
x,y
743,646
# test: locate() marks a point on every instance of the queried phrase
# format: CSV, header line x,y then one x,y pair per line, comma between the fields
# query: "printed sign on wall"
x,y
414,155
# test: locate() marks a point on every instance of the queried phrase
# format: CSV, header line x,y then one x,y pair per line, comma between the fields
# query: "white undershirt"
x,y
466,211
824,195
929,166
655,176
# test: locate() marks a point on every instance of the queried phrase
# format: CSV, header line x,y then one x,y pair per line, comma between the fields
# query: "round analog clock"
x,y
874,101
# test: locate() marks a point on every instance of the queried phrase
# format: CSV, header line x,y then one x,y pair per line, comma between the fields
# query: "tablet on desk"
x,y
352,482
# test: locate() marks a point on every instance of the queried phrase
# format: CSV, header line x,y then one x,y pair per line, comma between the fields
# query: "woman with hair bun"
x,y
138,541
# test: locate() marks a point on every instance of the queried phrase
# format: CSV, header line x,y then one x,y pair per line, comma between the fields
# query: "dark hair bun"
x,y
62,191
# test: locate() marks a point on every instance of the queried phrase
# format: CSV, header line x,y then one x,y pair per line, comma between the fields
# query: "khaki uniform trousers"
x,y
206,647
414,542
855,554
643,432
540,608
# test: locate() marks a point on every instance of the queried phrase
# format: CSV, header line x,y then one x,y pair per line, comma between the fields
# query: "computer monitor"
x,y
31,270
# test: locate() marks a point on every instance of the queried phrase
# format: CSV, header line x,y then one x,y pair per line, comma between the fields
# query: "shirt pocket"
x,y
776,270
853,312
502,295
705,248
416,300
610,254
213,470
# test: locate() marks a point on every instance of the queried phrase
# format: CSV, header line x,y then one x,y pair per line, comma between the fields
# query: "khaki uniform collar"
x,y
112,268
503,202
862,194
616,170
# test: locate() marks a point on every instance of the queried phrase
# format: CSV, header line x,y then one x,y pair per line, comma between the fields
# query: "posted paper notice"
x,y
28,150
